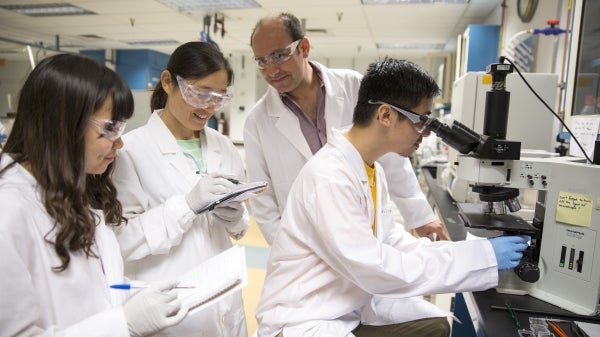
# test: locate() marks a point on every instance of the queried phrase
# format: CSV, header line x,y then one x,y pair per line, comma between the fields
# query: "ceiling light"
x,y
411,46
50,9
191,5
412,2
316,30
92,36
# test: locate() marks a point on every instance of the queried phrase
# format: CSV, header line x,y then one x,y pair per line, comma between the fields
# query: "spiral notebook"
x,y
214,279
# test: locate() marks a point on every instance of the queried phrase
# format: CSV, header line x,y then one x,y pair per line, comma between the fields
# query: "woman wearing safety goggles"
x,y
172,168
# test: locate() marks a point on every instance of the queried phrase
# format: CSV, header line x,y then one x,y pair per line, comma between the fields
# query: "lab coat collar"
x,y
287,123
19,174
351,154
173,153
356,163
167,142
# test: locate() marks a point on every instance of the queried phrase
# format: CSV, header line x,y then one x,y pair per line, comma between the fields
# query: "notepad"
x,y
240,192
214,279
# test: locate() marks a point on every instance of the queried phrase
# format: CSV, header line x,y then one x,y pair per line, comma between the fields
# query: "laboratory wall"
x,y
247,80
12,77
548,50
249,85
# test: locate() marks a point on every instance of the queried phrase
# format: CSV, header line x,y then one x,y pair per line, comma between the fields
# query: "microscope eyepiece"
x,y
459,136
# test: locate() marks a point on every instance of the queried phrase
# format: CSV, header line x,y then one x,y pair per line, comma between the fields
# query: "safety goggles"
x,y
421,122
278,56
109,129
202,98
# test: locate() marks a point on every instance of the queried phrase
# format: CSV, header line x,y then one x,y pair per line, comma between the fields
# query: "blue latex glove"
x,y
509,250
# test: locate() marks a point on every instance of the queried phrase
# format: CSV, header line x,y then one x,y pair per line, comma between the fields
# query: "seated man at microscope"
x,y
339,261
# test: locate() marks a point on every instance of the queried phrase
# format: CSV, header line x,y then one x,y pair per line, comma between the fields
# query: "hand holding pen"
x,y
154,308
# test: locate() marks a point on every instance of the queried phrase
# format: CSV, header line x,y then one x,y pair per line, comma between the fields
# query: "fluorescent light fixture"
x,y
192,5
49,9
154,42
411,46
92,36
412,2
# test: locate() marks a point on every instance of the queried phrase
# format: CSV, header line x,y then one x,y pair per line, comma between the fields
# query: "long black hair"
x,y
56,104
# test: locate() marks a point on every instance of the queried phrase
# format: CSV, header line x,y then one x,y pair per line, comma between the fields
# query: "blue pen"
x,y
127,286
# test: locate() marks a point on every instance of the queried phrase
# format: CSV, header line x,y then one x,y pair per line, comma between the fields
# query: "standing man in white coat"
x,y
172,167
338,248
293,120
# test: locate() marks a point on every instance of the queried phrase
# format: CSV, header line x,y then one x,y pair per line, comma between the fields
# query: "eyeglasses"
x,y
109,129
421,122
278,56
202,98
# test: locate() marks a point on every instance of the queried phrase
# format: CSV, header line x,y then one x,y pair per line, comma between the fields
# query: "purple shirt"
x,y
315,135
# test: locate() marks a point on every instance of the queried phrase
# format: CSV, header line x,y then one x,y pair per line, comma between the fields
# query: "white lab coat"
x,y
164,238
276,150
326,264
37,301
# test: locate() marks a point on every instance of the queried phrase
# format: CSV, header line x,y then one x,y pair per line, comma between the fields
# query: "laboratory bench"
x,y
485,313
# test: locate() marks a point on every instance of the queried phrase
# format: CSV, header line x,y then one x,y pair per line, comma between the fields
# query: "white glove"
x,y
228,213
153,309
210,188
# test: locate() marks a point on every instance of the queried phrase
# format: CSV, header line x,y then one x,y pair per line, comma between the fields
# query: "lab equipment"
x,y
562,264
558,331
528,120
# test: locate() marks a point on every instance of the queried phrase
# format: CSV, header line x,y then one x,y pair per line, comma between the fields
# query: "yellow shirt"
x,y
371,177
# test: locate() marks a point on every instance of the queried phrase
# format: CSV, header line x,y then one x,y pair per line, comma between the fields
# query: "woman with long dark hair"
x,y
58,255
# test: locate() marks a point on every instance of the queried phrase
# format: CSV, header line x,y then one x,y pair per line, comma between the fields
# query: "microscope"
x,y
562,264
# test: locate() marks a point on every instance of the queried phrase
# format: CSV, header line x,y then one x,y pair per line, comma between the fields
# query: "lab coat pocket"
x,y
384,220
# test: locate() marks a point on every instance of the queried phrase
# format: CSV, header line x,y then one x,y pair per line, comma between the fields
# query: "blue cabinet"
x,y
141,68
478,48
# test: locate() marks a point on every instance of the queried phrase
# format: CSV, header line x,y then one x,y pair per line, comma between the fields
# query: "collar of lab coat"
x,y
356,162
172,151
287,122
19,175
352,155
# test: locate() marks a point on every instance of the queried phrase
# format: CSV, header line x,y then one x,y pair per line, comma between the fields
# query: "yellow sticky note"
x,y
574,208
486,79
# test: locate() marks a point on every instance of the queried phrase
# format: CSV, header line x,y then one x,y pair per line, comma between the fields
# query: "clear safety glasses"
x,y
109,129
421,122
278,56
202,98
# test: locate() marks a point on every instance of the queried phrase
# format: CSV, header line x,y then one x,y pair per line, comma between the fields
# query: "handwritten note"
x,y
585,130
574,208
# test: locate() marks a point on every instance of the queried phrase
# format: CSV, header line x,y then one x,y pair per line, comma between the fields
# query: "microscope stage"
x,y
473,216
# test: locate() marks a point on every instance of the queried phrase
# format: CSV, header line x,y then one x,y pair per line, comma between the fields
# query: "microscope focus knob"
x,y
528,272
